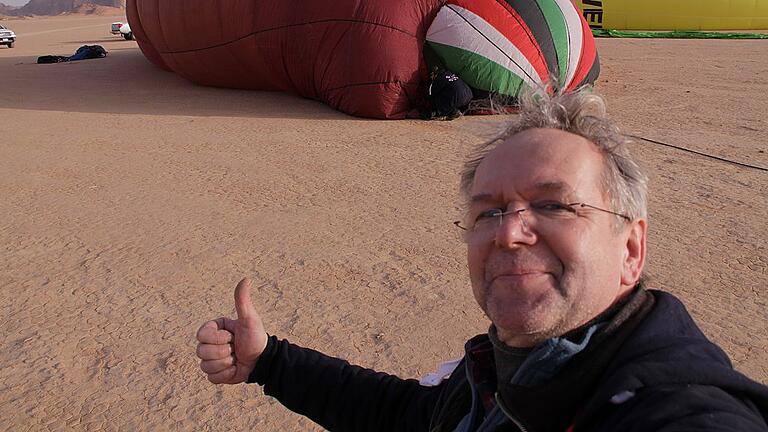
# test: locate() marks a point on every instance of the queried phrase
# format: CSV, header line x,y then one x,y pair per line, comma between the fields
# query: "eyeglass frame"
x,y
579,204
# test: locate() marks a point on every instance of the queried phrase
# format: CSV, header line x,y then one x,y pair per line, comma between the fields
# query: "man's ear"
x,y
634,253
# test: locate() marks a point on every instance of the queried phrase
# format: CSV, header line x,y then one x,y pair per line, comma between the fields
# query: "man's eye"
x,y
488,214
553,207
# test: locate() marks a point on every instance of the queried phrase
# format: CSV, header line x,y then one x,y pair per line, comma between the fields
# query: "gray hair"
x,y
581,113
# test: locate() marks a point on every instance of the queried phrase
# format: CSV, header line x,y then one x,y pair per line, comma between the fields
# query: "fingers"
x,y
243,304
217,366
223,377
212,333
220,338
213,352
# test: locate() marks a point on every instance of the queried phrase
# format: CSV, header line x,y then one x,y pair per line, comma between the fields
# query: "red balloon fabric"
x,y
360,57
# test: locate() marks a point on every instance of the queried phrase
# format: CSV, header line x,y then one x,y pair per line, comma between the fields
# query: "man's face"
x,y
538,278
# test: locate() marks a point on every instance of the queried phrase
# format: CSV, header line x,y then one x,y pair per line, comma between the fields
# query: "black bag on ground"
x,y
82,53
51,59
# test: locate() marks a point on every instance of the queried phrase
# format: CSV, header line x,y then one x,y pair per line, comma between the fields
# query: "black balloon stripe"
x,y
594,72
533,16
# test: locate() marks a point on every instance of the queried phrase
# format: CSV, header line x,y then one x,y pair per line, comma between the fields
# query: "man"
x,y
555,229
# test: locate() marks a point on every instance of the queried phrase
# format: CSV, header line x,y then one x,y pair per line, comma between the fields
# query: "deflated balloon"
x,y
365,58
361,57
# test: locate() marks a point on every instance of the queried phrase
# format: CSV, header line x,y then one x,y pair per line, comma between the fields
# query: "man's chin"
x,y
525,313
524,333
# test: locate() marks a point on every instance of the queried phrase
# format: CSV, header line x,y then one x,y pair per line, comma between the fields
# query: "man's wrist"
x,y
263,361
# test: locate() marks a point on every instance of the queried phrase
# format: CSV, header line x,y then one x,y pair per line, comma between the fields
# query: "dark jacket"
x,y
448,93
653,370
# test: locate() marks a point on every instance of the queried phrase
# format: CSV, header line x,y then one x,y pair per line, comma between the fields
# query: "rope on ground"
x,y
700,153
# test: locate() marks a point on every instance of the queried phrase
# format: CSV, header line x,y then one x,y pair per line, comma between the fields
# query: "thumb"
x,y
243,304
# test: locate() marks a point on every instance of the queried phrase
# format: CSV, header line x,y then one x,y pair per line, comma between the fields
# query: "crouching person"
x,y
447,95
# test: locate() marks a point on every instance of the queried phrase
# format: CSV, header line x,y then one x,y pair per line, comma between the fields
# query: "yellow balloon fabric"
x,y
676,14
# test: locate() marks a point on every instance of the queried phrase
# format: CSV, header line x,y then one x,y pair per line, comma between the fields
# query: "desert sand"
x,y
133,201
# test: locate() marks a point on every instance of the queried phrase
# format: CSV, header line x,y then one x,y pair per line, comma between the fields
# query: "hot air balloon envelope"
x,y
505,46
365,58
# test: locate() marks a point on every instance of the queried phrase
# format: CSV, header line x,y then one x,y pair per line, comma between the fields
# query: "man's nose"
x,y
515,230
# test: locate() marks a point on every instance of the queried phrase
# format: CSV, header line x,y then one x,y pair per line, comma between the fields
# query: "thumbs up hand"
x,y
229,349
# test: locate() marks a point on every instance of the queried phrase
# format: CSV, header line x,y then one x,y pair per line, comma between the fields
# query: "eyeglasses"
x,y
542,214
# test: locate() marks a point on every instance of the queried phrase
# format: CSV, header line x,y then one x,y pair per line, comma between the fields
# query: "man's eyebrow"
x,y
545,186
552,186
484,197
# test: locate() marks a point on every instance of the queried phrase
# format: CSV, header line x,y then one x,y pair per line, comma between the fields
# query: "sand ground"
x,y
133,202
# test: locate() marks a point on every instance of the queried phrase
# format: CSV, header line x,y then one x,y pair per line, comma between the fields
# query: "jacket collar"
x,y
554,405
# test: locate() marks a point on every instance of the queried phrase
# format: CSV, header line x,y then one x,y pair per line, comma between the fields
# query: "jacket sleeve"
x,y
339,396
685,408
438,84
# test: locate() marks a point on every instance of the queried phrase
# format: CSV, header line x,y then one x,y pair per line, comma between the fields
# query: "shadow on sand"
x,y
125,82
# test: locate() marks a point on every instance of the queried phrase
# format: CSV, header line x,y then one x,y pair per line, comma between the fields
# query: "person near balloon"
x,y
447,95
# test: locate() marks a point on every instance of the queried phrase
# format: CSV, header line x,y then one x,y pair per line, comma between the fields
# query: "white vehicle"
x,y
7,36
122,29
